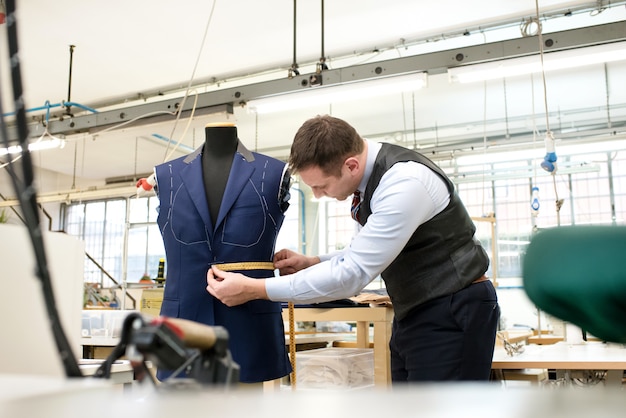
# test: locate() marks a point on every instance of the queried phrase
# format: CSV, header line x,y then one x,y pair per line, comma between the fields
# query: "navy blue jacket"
x,y
251,214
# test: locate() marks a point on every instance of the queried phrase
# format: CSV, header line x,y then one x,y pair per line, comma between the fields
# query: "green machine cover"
x,y
578,274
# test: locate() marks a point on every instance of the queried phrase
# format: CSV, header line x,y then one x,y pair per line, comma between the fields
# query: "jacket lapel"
x,y
240,174
191,176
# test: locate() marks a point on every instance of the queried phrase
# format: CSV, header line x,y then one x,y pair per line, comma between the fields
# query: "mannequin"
x,y
223,204
217,158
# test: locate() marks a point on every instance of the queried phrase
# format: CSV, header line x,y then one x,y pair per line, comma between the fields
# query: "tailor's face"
x,y
337,187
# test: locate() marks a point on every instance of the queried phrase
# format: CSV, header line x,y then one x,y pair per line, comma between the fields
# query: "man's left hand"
x,y
234,288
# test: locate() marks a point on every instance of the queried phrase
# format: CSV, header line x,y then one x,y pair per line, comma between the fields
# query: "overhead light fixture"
x,y
78,195
478,157
460,177
322,95
558,60
51,143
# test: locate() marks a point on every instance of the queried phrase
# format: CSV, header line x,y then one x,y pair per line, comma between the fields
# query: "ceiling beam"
x,y
433,63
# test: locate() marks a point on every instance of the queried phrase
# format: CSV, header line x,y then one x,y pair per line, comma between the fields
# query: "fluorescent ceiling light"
x,y
489,157
558,60
35,146
76,195
323,95
520,173
537,152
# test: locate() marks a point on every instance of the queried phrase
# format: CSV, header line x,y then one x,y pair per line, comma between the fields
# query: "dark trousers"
x,y
447,339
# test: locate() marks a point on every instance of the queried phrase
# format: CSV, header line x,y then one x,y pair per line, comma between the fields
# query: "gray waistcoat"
x,y
441,257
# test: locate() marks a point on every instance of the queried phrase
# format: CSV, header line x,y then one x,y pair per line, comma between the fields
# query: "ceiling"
x,y
130,53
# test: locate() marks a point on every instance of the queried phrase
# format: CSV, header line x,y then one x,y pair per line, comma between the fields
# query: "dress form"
x,y
245,232
220,146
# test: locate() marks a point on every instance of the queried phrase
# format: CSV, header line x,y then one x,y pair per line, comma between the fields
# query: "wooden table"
x,y
545,339
312,340
380,317
565,358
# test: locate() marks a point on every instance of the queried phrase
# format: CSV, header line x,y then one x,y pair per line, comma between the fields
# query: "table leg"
x,y
362,334
382,356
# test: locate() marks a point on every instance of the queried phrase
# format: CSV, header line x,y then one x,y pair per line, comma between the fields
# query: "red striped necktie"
x,y
356,203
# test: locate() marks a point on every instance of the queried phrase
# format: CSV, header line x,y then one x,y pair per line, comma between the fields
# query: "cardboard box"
x,y
335,368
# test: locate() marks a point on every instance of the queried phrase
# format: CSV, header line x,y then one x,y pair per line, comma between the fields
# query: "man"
x,y
415,233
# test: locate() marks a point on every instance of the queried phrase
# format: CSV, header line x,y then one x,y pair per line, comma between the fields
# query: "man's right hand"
x,y
289,262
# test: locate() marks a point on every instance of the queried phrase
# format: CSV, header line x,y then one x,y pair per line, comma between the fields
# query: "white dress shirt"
x,y
408,195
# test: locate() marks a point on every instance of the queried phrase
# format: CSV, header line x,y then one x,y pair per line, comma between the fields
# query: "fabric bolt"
x,y
576,274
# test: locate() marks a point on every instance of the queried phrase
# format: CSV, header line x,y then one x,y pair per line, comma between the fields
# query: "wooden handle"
x,y
193,333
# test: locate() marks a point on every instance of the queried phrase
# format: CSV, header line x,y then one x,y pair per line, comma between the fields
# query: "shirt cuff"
x,y
278,289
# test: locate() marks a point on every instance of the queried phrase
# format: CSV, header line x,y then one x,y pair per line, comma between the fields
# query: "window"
x,y
122,235
292,233
592,187
145,245
341,226
134,246
102,226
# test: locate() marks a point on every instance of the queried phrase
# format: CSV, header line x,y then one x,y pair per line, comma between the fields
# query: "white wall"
x,y
27,344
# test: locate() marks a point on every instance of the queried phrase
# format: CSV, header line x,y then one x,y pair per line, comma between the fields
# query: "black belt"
x,y
482,278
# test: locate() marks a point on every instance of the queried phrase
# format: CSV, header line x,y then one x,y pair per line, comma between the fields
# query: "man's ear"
x,y
352,163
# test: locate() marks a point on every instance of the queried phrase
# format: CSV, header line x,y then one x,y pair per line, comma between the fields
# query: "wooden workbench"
x,y
380,317
564,358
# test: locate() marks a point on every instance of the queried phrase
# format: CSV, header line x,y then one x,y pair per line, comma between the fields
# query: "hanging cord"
x,y
293,71
404,128
543,72
135,161
74,167
482,209
532,95
26,195
549,137
189,120
534,190
169,152
256,132
45,134
179,111
146,185
506,110
413,109
599,9
607,89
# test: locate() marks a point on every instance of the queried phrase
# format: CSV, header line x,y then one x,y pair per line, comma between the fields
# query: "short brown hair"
x,y
324,141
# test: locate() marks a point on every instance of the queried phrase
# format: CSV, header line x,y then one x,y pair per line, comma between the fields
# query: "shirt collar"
x,y
372,152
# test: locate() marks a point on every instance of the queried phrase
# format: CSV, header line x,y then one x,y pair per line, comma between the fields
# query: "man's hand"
x,y
234,288
288,262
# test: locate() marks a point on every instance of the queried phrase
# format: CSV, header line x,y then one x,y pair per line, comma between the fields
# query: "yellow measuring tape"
x,y
246,265
268,265
292,345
